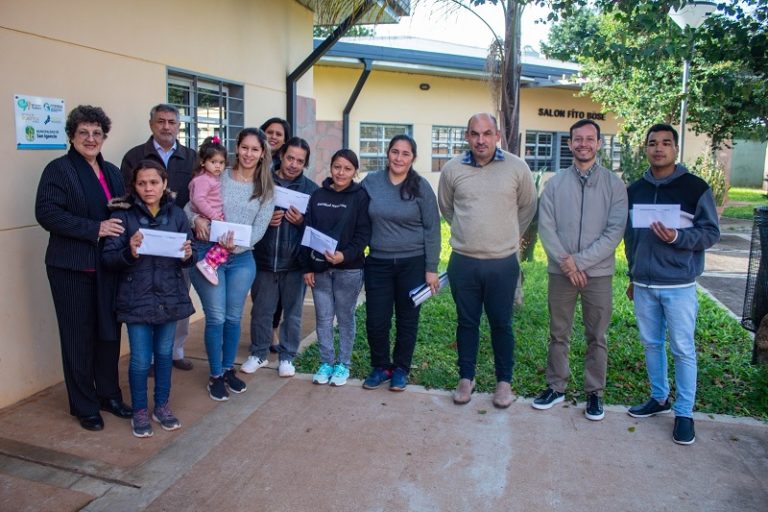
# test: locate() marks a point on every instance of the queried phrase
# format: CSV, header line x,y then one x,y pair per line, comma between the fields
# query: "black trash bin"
x,y
756,293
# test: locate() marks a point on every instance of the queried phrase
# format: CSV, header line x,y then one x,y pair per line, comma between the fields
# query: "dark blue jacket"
x,y
655,262
151,289
278,250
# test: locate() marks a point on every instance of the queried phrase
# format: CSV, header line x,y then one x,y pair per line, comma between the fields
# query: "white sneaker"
x,y
286,369
252,364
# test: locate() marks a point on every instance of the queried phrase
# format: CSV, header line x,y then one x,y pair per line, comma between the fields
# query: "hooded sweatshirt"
x,y
343,216
655,263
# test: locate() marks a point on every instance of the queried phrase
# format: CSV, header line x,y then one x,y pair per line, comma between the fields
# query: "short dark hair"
x,y
282,122
208,149
296,142
585,122
347,154
163,107
86,114
662,127
148,164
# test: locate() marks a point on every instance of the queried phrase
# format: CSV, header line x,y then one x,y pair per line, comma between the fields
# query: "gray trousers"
x,y
267,289
335,294
596,307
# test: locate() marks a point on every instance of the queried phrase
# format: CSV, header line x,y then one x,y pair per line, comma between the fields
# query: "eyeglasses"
x,y
85,134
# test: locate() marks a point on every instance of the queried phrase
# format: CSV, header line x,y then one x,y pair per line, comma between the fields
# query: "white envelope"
x,y
242,232
318,241
644,214
162,243
285,198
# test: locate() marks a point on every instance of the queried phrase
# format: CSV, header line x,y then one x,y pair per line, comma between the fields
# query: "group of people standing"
x,y
100,275
488,198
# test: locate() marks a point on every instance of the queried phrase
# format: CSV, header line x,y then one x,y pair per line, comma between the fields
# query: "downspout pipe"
x,y
322,48
367,65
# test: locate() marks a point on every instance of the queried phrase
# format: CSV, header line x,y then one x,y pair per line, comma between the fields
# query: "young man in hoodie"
x,y
663,264
582,215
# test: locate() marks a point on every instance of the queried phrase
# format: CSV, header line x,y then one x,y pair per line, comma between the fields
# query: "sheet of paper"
x,y
318,241
162,243
644,214
242,232
285,198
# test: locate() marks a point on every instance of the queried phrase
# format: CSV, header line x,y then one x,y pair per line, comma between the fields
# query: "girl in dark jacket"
x,y
340,210
151,293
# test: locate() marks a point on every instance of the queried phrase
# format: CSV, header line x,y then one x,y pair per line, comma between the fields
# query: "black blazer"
x,y
62,209
70,205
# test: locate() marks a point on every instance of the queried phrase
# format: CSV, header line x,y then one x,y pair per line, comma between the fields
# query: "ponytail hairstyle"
x,y
263,186
210,147
410,187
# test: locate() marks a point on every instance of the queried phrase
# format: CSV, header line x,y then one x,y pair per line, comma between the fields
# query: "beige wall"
x,y
114,54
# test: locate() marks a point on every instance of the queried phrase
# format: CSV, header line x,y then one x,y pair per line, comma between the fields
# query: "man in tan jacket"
x,y
582,214
488,197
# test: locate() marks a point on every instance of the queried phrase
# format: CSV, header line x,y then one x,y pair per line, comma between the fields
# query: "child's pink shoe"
x,y
208,272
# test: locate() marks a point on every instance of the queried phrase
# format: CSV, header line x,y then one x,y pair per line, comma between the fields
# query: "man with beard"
x,y
582,215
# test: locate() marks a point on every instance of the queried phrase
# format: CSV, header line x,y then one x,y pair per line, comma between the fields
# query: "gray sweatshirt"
x,y
402,228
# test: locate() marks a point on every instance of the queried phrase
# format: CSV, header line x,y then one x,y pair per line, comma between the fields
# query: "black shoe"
x,y
650,408
117,407
94,423
683,433
234,384
183,364
594,410
547,399
217,389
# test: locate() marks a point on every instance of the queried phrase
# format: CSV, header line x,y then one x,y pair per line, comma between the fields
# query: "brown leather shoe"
x,y
502,398
183,364
463,393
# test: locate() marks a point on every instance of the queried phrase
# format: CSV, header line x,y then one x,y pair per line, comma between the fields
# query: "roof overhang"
x,y
383,58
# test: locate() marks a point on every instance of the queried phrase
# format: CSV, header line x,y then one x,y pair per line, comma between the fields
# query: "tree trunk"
x,y
511,73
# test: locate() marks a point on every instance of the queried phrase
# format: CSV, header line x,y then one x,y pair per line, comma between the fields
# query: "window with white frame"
x,y
539,150
207,106
374,139
447,142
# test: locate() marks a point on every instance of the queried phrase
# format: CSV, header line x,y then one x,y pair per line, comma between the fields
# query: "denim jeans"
x,y
146,341
387,283
335,294
484,284
269,289
659,310
223,307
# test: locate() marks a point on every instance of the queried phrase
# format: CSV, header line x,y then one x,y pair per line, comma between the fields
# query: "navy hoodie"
x,y
653,262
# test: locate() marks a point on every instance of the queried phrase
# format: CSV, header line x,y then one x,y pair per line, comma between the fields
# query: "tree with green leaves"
x,y
632,53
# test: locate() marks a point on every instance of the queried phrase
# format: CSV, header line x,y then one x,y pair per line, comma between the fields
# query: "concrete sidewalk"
x,y
287,444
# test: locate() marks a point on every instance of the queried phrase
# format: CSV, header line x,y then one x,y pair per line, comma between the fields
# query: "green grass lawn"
x,y
727,384
751,196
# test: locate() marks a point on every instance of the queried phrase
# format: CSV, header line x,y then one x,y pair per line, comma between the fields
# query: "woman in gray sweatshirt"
x,y
404,253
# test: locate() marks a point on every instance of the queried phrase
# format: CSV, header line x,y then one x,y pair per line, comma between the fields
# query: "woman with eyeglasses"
x,y
71,205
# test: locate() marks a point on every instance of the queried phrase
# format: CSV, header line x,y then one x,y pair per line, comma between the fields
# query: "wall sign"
x,y
39,122
571,114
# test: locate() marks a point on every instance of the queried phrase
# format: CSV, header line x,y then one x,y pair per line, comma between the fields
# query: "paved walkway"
x,y
286,444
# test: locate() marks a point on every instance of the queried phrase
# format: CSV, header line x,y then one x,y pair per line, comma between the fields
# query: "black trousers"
x,y
489,285
90,364
387,283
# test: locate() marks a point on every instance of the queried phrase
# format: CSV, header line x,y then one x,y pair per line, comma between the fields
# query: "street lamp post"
x,y
691,15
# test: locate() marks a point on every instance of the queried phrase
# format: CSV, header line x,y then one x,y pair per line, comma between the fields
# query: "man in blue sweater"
x,y
663,265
